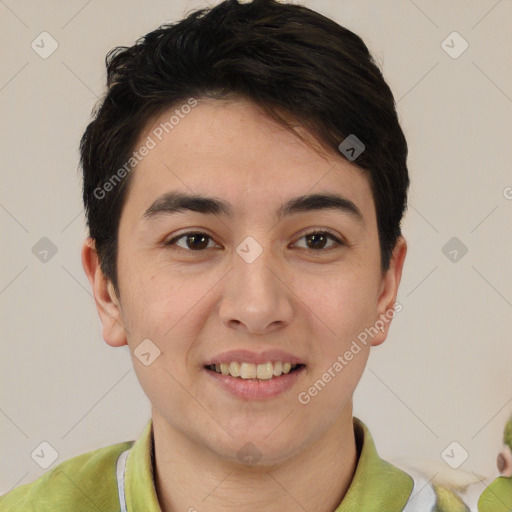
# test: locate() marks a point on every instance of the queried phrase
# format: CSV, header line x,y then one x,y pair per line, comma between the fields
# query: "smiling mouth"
x,y
250,371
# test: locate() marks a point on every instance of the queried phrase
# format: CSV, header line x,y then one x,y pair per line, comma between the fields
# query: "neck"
x,y
190,477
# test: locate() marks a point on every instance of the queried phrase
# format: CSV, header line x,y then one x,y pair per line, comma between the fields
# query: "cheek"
x,y
160,311
347,304
155,296
344,307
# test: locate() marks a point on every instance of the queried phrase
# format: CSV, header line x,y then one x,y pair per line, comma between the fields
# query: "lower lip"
x,y
256,389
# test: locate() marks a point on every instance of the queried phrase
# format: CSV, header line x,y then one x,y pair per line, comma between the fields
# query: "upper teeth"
x,y
253,371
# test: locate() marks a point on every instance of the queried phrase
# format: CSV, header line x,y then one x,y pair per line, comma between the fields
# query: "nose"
x,y
256,297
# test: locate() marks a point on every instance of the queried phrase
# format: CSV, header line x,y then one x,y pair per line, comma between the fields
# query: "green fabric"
x,y
88,482
83,483
140,487
507,433
497,497
377,485
448,501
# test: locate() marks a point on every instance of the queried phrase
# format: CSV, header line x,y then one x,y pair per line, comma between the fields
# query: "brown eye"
x,y
193,241
196,241
317,240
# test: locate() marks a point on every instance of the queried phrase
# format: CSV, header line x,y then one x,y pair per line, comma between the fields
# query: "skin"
x,y
311,302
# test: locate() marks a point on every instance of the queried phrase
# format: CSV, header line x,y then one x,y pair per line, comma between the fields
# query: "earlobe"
x,y
107,303
389,290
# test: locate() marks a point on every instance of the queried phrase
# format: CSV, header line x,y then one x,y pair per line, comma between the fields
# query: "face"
x,y
249,277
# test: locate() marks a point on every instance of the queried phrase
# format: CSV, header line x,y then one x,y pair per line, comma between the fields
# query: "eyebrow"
x,y
176,202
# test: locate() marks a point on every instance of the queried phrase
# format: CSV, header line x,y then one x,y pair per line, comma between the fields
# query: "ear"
x,y
504,462
107,303
389,290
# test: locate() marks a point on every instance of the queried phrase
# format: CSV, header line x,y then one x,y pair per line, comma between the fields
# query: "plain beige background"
x,y
443,375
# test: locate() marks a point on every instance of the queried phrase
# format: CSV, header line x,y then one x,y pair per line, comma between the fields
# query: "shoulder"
x,y
497,497
86,481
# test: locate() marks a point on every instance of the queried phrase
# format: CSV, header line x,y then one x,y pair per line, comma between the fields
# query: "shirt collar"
x,y
376,485
139,474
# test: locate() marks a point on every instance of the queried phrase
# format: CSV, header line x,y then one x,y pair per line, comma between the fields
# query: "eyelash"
x,y
331,235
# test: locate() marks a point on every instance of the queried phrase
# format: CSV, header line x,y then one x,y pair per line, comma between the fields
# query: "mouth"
x,y
250,375
254,372
251,381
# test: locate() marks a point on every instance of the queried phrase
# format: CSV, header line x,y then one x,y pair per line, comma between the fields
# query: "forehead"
x,y
231,149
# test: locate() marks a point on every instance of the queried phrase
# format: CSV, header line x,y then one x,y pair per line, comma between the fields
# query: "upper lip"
x,y
249,356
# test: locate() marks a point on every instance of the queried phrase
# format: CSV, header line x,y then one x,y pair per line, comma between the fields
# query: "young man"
x,y
244,181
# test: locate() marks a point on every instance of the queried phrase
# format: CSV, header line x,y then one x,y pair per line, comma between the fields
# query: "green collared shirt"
x,y
119,478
